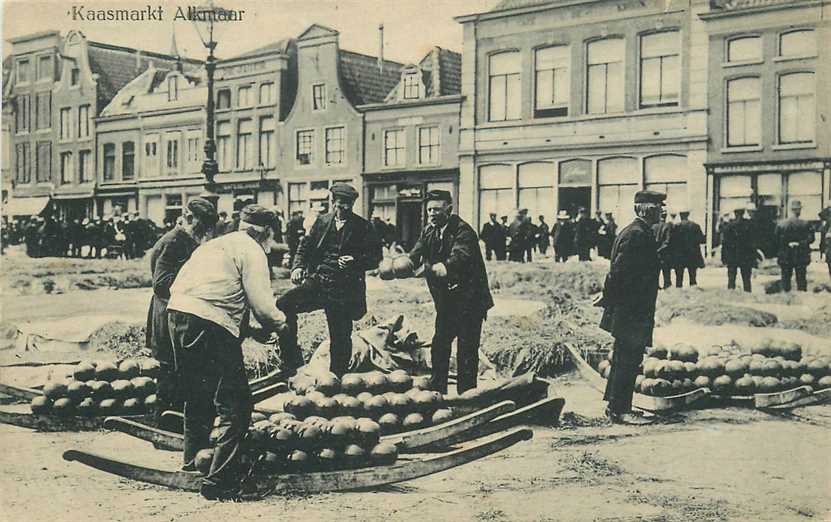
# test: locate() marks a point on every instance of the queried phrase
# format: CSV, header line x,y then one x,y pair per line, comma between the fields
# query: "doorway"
x,y
409,221
572,198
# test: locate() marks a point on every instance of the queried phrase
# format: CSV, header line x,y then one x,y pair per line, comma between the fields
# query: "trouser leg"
x,y
300,299
467,352
731,276
679,276
500,254
693,271
440,349
624,369
787,273
488,252
167,396
801,278
747,273
340,340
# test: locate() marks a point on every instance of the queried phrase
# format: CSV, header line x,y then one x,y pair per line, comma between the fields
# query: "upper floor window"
x,y
428,145
150,167
43,110
505,91
244,97
128,160
172,88
223,145
223,99
44,67
66,123
245,144
109,161
23,72
66,167
798,43
660,69
84,166
604,76
22,116
268,147
23,163
267,93
83,121
394,148
743,112
193,152
74,76
797,108
411,86
552,81
172,152
319,97
744,49
305,147
44,161
334,146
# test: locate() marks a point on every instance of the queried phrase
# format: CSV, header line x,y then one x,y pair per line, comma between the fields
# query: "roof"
x,y
449,71
362,80
735,5
117,66
504,5
280,46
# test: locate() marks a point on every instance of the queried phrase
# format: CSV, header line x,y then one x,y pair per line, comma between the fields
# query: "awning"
x,y
82,195
25,206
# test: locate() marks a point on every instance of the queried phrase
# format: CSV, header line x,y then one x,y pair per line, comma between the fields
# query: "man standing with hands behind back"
x,y
458,282
329,270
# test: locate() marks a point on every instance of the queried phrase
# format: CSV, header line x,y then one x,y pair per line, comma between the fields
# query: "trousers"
x,y
801,277
452,322
620,387
309,297
746,271
666,276
209,361
679,275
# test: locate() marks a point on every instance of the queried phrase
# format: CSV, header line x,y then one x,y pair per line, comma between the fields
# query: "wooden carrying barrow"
x,y
314,482
703,397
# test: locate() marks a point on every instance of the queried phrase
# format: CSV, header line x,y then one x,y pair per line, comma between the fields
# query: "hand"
x,y
297,276
345,262
599,301
439,270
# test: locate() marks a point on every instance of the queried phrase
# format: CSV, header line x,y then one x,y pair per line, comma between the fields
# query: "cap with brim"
x,y
343,190
202,209
439,195
650,196
257,215
562,214
796,204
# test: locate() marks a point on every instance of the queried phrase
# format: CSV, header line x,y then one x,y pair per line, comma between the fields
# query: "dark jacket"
x,y
738,243
518,233
294,231
359,241
585,232
563,234
794,230
542,234
663,233
466,286
631,286
166,259
685,243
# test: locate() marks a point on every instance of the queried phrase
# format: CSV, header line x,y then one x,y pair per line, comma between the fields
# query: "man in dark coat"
x,y
294,233
686,242
456,276
530,235
542,236
739,251
330,273
563,237
585,233
793,244
488,231
629,295
662,231
606,236
518,239
500,239
166,259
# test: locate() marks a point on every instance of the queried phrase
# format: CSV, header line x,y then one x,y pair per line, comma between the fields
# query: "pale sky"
x,y
411,27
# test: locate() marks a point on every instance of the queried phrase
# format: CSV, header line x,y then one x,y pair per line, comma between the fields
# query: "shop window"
x,y
660,69
223,99
394,148
223,145
429,146
743,112
604,76
109,161
67,173
297,197
496,190
618,179
128,160
797,108
319,97
334,146
245,144
769,190
798,44
552,81
505,90
268,146
734,191
805,187
667,174
85,166
305,147
744,49
536,188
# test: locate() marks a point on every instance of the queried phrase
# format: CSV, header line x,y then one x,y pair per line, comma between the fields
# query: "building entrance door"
x,y
572,198
409,221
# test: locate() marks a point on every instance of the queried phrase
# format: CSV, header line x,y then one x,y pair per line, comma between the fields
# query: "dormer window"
x,y
173,88
411,86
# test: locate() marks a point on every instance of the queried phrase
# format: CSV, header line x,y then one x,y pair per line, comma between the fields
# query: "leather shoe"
x,y
629,418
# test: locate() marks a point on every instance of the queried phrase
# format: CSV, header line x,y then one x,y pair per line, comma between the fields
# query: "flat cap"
x,y
344,190
650,196
439,195
257,215
202,208
796,204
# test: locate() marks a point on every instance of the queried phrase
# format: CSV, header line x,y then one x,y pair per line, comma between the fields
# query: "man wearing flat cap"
x,y
739,250
456,276
211,300
793,244
166,260
329,270
629,295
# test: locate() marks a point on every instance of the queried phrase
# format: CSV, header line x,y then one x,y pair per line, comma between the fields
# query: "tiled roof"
x,y
118,66
362,80
449,69
280,46
733,5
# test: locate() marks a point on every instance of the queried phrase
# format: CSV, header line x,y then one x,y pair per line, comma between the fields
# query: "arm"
x,y
172,255
417,253
371,251
303,247
624,262
461,253
257,287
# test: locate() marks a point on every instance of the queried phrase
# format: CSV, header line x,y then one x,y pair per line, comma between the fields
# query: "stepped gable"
x,y
362,80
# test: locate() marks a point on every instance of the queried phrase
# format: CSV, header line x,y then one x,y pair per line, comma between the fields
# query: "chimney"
x,y
381,47
138,60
